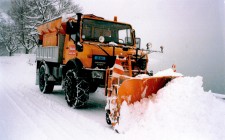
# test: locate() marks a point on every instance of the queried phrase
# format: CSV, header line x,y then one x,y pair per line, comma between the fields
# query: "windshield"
x,y
112,32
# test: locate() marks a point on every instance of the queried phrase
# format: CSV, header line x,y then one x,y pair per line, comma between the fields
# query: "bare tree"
x,y
66,6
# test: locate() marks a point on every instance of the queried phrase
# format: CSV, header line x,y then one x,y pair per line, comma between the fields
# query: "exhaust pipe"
x,y
79,46
79,17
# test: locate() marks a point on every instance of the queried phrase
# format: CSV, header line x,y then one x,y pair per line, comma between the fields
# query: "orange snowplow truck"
x,y
79,53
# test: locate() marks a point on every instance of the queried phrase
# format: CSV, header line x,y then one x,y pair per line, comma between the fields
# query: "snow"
x,y
181,110
113,44
65,17
5,16
142,76
26,114
222,96
167,72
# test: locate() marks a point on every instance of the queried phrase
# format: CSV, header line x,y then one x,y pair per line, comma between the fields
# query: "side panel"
x,y
49,54
52,53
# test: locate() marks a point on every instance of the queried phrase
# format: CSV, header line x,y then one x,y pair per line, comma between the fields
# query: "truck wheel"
x,y
44,86
76,89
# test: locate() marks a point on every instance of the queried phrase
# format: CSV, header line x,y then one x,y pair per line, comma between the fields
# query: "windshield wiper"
x,y
99,46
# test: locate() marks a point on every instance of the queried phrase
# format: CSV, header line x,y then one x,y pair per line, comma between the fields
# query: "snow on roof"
x,y
65,17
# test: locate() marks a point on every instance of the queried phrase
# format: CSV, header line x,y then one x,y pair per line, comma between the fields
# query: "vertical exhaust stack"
x,y
115,18
78,20
78,47
79,17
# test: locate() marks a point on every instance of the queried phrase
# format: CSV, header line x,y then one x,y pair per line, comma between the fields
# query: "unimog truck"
x,y
76,51
84,52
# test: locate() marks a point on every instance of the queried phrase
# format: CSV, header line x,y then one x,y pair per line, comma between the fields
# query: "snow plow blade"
x,y
131,90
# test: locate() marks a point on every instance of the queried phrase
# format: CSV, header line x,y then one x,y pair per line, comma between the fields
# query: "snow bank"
x,y
141,76
222,96
181,110
167,72
20,67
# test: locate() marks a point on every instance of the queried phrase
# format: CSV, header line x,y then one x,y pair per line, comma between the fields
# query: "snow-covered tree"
x,y
27,14
18,12
8,40
66,6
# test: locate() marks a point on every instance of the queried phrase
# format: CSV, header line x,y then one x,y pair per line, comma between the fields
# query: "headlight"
x,y
97,74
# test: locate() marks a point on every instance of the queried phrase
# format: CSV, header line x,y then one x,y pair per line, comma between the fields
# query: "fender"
x,y
46,67
73,64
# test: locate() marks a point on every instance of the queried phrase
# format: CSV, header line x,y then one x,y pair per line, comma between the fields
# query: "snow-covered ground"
x,y
181,110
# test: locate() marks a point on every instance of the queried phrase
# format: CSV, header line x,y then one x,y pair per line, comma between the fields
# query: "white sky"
x,y
192,32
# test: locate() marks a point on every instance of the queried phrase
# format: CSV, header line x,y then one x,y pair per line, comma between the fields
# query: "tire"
x,y
44,85
76,89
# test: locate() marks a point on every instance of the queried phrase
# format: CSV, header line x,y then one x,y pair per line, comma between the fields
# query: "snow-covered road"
x,y
26,113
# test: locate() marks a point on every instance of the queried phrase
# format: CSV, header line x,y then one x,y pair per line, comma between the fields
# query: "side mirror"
x,y
161,47
138,42
148,45
71,27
